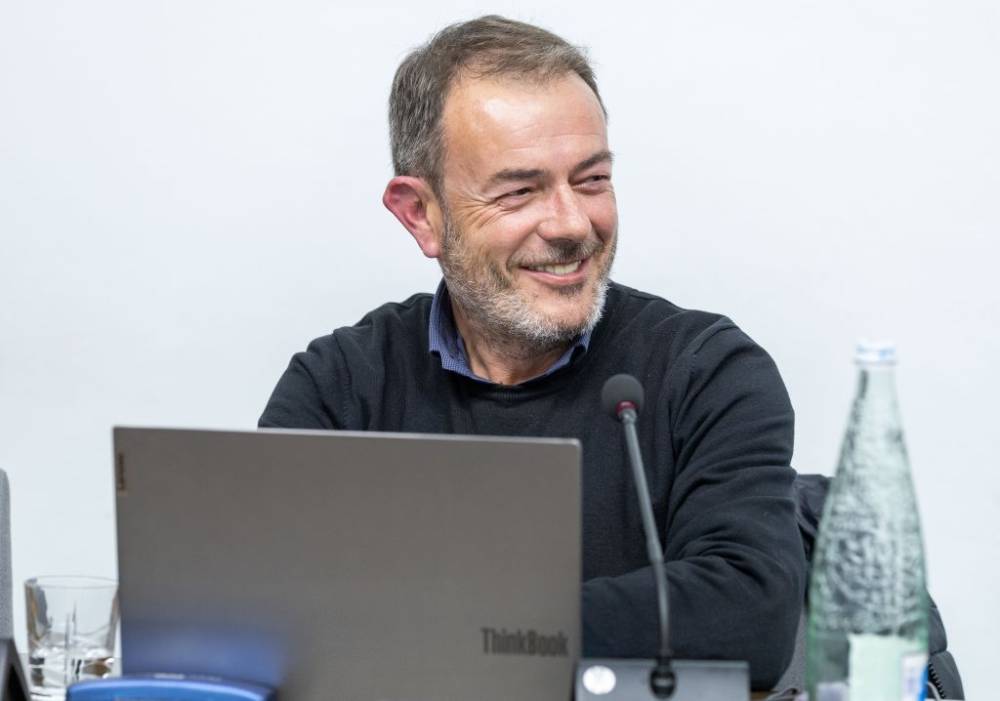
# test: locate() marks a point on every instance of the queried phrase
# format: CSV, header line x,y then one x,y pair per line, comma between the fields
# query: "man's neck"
x,y
504,361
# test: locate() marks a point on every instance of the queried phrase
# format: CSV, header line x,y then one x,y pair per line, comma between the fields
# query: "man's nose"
x,y
566,217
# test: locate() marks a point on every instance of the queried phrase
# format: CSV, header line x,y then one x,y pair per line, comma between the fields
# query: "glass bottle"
x,y
866,638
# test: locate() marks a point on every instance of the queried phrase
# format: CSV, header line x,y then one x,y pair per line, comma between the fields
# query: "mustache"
x,y
561,252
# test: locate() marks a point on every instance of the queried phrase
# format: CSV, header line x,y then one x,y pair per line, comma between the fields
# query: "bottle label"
x,y
886,668
832,691
914,677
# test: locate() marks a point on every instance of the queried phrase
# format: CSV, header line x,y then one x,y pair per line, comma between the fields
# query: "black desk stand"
x,y
13,686
628,680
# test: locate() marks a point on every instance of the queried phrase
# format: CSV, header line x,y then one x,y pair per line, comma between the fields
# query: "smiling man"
x,y
526,222
503,174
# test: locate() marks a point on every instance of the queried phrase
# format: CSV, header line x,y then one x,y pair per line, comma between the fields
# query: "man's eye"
x,y
519,192
595,183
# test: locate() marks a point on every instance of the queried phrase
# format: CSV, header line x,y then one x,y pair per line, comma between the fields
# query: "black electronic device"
x,y
664,677
13,685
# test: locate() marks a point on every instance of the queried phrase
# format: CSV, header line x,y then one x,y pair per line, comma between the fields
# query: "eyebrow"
x,y
518,174
599,157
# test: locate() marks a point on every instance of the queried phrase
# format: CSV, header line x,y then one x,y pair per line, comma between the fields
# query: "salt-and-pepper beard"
x,y
500,312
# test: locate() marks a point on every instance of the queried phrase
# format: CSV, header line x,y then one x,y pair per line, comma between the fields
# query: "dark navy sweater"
x,y
716,435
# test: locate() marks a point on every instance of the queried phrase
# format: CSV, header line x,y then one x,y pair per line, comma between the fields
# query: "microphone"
x,y
663,678
622,397
622,392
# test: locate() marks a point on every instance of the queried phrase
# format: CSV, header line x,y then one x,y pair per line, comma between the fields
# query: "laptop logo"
x,y
524,642
120,474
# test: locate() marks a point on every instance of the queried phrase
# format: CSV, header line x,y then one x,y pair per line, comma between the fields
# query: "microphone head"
x,y
618,389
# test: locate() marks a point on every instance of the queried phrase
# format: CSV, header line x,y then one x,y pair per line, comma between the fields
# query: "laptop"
x,y
351,566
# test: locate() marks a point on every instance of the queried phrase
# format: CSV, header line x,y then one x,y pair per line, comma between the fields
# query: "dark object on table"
x,y
13,686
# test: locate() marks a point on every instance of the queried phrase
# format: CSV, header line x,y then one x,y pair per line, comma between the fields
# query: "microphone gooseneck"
x,y
622,396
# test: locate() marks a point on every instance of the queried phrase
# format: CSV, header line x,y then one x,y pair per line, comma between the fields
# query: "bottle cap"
x,y
875,353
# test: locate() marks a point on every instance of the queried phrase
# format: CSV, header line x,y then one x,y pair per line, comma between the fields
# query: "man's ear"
x,y
416,207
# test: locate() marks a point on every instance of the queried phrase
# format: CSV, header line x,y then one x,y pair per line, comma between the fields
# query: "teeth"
x,y
565,269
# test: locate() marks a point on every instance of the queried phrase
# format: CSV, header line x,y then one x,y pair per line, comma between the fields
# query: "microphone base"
x,y
604,679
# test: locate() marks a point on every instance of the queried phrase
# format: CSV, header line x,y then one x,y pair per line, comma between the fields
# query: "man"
x,y
503,174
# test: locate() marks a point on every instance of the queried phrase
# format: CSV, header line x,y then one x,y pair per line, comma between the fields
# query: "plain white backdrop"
x,y
190,192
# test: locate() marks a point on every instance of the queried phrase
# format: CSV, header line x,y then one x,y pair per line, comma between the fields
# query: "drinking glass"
x,y
72,623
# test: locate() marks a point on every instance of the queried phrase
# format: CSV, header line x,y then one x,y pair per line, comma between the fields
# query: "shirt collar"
x,y
445,340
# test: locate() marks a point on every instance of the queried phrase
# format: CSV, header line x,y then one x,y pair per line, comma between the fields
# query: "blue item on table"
x,y
167,687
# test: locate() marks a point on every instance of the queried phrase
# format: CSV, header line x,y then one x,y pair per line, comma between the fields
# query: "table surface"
x,y
755,696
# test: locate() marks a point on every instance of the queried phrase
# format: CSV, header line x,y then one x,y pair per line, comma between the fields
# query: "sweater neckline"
x,y
557,380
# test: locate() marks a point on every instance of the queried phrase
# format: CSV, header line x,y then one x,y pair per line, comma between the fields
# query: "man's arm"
x,y
302,397
735,564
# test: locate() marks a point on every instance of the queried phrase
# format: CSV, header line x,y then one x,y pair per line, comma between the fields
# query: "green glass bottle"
x,y
866,638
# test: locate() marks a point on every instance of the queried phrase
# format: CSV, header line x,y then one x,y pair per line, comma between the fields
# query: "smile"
x,y
558,269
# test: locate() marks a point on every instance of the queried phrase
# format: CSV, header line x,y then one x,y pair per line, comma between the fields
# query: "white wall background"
x,y
189,192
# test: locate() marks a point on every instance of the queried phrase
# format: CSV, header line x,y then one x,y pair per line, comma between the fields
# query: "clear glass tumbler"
x,y
72,624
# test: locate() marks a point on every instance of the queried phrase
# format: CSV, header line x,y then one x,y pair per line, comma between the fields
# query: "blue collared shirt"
x,y
447,342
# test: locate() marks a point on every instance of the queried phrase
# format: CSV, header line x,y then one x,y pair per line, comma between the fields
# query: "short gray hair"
x,y
484,47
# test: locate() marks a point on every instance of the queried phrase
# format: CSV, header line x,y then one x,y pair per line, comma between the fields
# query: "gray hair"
x,y
490,46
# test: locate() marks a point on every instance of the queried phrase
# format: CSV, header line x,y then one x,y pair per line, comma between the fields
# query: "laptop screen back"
x,y
355,566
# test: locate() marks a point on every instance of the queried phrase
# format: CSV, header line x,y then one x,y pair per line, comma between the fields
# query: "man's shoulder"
x,y
393,323
652,315
413,311
671,335
688,348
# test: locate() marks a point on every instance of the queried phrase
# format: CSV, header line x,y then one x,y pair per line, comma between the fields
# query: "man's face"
x,y
530,219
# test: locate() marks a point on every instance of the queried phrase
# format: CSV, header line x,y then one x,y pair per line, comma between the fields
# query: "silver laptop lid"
x,y
352,566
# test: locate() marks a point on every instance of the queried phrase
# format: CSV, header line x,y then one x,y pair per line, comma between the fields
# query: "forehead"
x,y
489,124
